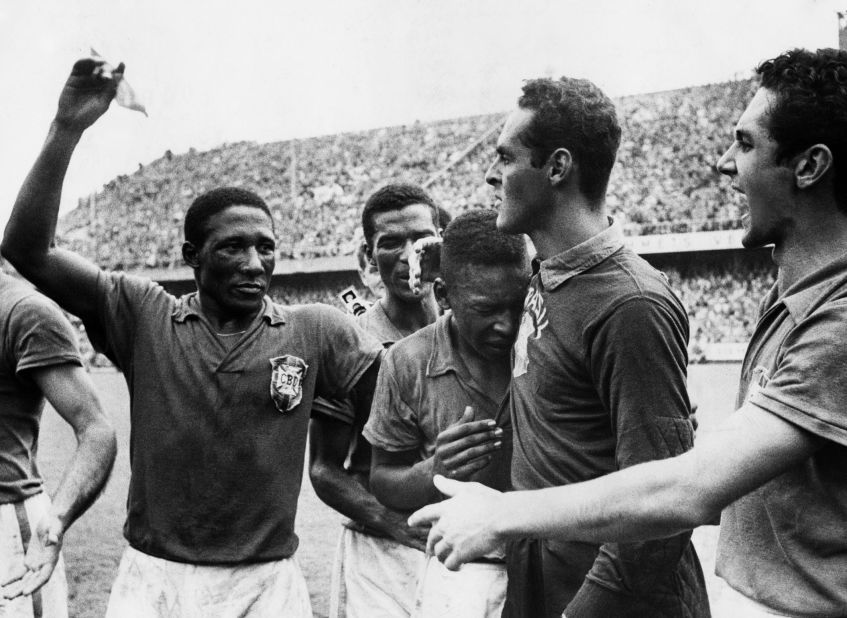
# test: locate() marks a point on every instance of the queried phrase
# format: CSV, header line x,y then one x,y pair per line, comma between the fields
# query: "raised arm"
x,y
28,242
647,501
69,390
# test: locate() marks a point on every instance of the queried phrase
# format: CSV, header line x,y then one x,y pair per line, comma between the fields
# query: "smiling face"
x,y
751,163
234,265
395,231
487,301
522,192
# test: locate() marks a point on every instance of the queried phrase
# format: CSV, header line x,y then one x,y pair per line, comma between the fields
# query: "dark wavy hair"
x,y
394,197
473,238
211,203
810,106
573,114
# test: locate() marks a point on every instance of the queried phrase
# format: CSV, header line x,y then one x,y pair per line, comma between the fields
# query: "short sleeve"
x,y
347,351
120,299
43,335
393,424
809,384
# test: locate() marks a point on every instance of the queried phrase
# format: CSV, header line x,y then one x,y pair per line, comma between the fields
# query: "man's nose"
x,y
726,164
492,175
408,247
506,324
252,260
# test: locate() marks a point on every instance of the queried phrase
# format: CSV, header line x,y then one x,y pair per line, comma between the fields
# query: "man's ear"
x,y
561,165
190,254
439,289
369,254
811,165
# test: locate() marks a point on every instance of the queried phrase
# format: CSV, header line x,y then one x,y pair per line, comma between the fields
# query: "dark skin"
x,y
486,302
232,264
330,439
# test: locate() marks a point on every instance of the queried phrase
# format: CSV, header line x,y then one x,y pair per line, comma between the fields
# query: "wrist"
x,y
505,516
64,129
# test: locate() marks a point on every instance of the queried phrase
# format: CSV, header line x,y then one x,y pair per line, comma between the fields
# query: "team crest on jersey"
x,y
533,321
287,373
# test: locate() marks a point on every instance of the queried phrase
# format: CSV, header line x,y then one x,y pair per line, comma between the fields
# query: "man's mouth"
x,y
250,288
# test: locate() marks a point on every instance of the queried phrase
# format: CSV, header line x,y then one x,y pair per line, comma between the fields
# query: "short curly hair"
x,y
394,197
573,114
810,106
473,238
211,203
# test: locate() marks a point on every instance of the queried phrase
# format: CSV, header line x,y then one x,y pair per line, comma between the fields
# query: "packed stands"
x,y
665,179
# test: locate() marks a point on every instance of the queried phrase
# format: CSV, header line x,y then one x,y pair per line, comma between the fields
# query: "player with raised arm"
x,y
378,555
39,360
221,383
439,400
775,468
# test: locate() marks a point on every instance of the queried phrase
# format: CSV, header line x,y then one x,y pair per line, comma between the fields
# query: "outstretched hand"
x,y
87,94
41,558
463,527
466,447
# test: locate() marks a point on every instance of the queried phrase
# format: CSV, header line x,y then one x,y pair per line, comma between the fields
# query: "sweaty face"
x,y
235,263
751,163
522,192
395,233
487,302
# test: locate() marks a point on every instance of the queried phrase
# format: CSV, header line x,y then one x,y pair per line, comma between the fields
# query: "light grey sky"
x,y
210,72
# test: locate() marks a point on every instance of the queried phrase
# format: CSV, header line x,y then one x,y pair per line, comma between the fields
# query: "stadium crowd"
x,y
665,179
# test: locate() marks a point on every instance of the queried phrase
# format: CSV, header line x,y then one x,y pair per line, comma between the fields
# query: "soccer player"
x,y
776,466
599,367
378,555
439,394
39,360
221,383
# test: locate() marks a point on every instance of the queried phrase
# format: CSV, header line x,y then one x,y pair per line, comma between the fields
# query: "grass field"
x,y
94,545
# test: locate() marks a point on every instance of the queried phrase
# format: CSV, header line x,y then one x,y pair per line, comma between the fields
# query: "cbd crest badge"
x,y
287,373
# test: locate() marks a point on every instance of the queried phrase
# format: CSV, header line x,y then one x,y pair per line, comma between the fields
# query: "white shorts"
x,y
476,590
733,604
373,577
17,523
150,587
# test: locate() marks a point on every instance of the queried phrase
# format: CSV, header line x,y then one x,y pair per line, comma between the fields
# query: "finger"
x,y
462,437
85,67
448,487
14,575
432,540
472,450
453,560
35,579
460,430
13,589
465,472
454,454
442,550
467,415
427,515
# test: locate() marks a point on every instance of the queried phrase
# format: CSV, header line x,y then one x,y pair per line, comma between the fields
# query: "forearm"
x,y
87,473
345,494
649,501
32,224
405,487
